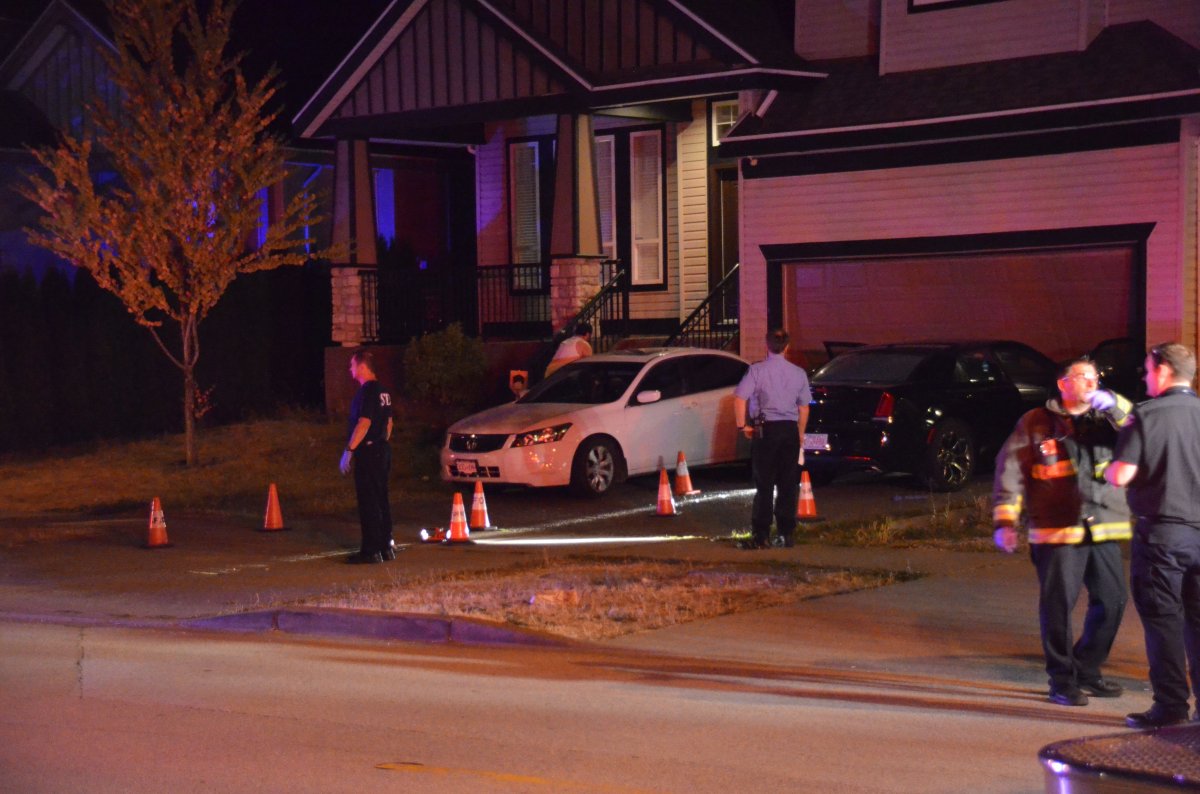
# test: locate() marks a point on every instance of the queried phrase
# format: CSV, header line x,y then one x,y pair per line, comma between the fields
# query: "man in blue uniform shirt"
x,y
1158,460
771,407
370,427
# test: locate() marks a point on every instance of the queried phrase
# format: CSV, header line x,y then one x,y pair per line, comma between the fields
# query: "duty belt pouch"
x,y
758,426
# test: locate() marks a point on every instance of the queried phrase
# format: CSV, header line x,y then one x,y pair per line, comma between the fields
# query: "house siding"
x,y
1150,184
693,209
974,33
836,30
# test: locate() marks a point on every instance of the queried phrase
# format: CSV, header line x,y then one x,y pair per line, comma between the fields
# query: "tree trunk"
x,y
190,353
189,416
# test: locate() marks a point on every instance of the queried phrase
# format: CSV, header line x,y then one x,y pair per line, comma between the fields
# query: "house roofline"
x,y
27,64
312,121
995,114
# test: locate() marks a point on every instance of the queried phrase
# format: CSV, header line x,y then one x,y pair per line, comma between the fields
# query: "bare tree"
x,y
187,138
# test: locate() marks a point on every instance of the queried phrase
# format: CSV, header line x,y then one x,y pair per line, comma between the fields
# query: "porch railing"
x,y
514,301
714,323
607,310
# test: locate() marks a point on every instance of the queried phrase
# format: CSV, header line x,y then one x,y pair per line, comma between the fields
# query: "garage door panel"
x,y
1060,302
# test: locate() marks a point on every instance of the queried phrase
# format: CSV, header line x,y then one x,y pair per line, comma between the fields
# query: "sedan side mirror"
x,y
648,396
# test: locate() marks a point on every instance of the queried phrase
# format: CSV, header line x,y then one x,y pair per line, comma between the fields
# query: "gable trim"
x,y
23,65
378,40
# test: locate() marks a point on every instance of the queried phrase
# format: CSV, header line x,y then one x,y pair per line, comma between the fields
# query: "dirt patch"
x,y
592,599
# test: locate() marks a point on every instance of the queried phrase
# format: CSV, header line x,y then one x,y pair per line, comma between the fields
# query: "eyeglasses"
x,y
1079,376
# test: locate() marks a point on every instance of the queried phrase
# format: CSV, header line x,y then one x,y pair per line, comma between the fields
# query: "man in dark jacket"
x,y
1050,476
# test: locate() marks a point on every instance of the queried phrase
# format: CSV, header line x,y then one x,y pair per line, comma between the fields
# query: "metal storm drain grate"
x,y
1162,760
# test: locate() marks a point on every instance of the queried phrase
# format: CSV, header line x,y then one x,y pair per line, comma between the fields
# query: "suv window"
x,y
1025,366
975,367
705,373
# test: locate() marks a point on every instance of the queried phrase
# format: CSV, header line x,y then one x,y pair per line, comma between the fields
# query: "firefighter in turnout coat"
x,y
1050,478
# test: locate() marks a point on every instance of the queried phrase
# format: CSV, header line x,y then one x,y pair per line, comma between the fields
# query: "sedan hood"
x,y
514,417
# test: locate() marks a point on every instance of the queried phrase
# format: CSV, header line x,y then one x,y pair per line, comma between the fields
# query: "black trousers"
x,y
774,459
1063,570
1165,580
372,463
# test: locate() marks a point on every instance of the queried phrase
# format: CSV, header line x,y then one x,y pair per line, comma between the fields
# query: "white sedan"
x,y
603,418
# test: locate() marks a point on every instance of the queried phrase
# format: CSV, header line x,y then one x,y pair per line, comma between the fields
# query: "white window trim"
x,y
713,129
608,244
514,241
644,237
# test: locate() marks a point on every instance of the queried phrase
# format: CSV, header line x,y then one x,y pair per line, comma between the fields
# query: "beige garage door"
x,y
1059,302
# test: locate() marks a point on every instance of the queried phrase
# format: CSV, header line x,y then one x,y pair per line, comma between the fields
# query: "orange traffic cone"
x,y
806,505
459,533
683,480
274,518
156,538
666,502
479,516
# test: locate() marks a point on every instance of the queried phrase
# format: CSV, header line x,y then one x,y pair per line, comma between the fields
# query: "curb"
x,y
326,622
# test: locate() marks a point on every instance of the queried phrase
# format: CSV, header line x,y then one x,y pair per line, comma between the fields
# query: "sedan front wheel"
x,y
596,468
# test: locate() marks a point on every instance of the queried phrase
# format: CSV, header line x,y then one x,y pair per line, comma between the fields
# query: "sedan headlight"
x,y
543,435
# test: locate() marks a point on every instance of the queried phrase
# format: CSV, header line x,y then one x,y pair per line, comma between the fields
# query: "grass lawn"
x,y
237,463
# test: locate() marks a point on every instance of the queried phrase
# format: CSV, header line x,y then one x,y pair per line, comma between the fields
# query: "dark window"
x,y
666,377
589,384
1025,366
705,373
873,366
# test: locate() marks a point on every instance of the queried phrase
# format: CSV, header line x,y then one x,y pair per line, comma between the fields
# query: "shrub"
x,y
444,376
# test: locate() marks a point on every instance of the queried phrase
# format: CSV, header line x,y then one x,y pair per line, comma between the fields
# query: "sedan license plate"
x,y
466,468
816,441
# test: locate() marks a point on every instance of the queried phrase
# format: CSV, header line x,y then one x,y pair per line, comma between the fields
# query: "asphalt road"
x,y
102,709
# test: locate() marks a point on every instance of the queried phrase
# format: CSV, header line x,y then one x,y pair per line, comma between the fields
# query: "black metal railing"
x,y
607,310
369,285
514,301
714,323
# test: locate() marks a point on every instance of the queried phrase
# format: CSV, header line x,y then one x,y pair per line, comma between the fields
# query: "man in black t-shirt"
x,y
369,429
1158,458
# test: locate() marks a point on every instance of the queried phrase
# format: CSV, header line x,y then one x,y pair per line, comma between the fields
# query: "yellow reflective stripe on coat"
x,y
1064,468
1060,535
1112,530
1006,514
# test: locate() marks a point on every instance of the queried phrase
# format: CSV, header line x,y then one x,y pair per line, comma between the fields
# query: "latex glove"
x,y
1102,400
1006,539
347,456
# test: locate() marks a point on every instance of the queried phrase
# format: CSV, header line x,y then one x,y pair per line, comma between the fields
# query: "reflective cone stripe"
x,y
273,522
666,502
806,506
156,537
459,533
479,515
683,480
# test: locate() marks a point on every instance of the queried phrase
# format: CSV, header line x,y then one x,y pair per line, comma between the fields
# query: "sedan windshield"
x,y
876,366
586,383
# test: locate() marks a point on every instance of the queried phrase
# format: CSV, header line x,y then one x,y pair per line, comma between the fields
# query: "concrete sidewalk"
x,y
965,633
